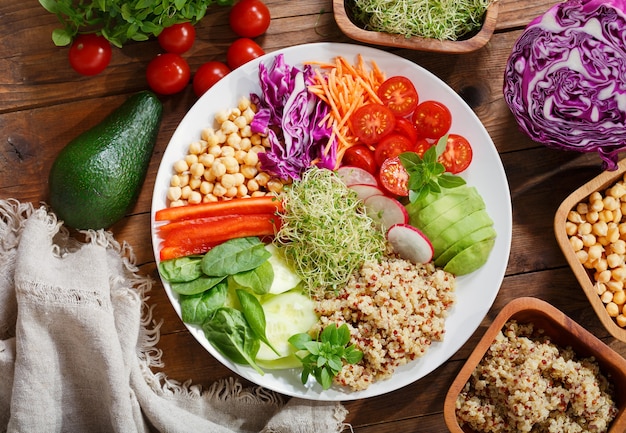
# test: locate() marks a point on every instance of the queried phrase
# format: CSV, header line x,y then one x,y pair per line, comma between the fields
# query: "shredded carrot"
x,y
345,88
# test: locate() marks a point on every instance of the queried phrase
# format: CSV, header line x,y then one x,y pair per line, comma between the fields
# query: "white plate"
x,y
475,292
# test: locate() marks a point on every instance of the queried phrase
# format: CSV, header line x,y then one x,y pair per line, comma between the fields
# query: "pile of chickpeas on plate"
x,y
223,163
597,234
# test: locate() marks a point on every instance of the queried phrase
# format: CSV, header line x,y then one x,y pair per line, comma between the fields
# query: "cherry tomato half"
x,y
405,127
399,94
177,38
360,156
89,54
422,145
371,122
394,177
249,18
168,73
432,119
241,51
458,154
207,75
391,145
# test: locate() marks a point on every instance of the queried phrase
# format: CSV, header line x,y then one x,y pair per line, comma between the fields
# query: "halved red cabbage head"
x,y
565,80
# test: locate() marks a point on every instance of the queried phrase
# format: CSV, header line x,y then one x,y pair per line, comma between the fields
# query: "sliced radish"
x,y
354,175
386,211
364,191
410,243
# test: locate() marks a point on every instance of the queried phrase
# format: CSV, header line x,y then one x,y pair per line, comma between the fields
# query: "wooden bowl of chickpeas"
x,y
590,227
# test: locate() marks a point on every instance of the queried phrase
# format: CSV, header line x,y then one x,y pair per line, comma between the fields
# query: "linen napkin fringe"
x,y
293,415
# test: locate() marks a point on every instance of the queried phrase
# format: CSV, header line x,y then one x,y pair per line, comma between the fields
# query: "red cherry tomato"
x,y
177,38
241,51
390,146
360,156
249,18
207,75
399,94
405,127
458,154
432,119
89,54
371,122
168,73
394,177
422,145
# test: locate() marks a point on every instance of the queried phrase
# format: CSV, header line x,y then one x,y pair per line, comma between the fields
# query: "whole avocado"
x,y
97,177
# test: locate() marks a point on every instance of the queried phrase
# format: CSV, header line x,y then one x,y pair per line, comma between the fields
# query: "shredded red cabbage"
x,y
291,116
565,81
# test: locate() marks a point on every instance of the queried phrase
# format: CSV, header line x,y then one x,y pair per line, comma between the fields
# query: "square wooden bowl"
x,y
353,31
585,279
564,332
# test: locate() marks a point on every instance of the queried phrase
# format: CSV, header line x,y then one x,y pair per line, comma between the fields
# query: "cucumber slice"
x,y
285,277
286,314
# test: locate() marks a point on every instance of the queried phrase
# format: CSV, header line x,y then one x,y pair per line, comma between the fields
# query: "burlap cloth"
x,y
77,343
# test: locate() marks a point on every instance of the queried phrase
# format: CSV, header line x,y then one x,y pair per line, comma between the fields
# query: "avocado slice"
x,y
471,258
484,233
442,204
451,215
464,226
97,177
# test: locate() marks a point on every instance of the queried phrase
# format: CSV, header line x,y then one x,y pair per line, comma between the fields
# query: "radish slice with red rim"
x,y
410,243
386,211
354,175
364,191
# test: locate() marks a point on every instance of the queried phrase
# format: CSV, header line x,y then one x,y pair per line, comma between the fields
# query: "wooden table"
x,y
44,104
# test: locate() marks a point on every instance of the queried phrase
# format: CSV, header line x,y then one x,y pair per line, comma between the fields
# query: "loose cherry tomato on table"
x,y
371,122
405,127
393,177
177,38
399,94
360,156
432,119
241,51
249,18
207,75
168,73
458,154
89,54
391,145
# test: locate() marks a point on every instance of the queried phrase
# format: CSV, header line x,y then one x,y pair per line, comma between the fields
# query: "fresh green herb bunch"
x,y
444,20
426,174
120,21
325,357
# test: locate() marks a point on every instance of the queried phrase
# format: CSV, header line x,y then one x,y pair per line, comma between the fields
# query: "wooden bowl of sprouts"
x,y
379,23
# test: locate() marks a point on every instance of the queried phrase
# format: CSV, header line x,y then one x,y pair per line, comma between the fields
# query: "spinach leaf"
x,y
255,316
234,256
229,332
258,280
182,269
195,309
196,286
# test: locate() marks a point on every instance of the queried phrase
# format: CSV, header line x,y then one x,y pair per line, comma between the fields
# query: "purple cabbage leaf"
x,y
565,80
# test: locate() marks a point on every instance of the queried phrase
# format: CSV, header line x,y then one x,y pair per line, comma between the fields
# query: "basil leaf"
x,y
196,309
234,256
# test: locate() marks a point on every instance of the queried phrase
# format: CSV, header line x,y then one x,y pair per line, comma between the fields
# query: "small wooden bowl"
x,y
564,332
599,183
350,29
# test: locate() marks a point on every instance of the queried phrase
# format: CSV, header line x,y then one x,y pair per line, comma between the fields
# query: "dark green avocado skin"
x,y
97,177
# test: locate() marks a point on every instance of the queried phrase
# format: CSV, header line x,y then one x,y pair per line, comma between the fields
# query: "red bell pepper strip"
x,y
240,206
188,239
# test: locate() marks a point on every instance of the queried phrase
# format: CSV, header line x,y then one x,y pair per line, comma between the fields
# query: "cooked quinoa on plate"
x,y
525,383
394,310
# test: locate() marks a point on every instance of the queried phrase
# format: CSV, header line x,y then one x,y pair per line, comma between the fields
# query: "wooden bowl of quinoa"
x,y
590,227
472,41
533,366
